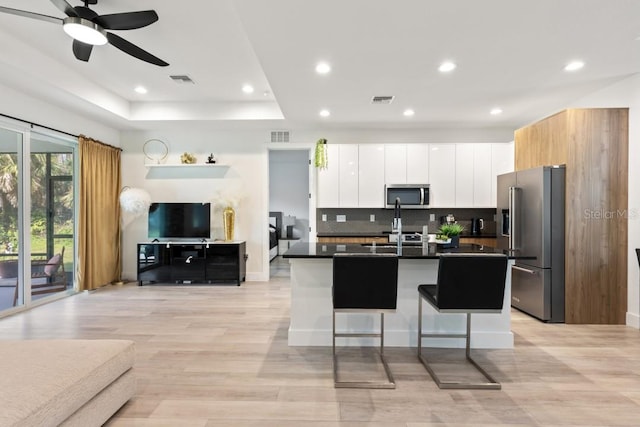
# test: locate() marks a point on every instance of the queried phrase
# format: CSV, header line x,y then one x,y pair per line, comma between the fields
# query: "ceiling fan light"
x,y
84,30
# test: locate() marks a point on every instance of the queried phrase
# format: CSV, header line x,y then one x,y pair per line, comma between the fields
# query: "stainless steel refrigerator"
x,y
530,223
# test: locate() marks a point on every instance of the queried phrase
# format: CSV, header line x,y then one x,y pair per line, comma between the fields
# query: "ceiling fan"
x,y
88,28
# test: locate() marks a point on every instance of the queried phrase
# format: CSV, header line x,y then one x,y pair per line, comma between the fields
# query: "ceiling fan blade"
x,y
127,20
33,15
82,51
64,7
134,50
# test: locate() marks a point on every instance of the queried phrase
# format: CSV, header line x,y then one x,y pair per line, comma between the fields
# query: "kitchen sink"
x,y
382,246
389,245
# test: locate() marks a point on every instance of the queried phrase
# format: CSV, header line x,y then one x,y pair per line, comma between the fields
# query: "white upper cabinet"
x,y
475,174
482,176
502,161
442,175
395,163
459,175
464,175
371,158
348,174
329,180
417,163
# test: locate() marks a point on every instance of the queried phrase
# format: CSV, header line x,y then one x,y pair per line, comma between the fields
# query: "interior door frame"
x,y
310,148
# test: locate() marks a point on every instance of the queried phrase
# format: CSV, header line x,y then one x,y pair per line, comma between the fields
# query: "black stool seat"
x,y
364,283
467,283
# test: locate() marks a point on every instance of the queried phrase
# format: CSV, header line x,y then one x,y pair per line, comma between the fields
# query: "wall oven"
x,y
412,196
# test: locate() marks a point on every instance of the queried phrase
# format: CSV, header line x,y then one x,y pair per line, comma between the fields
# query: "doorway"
x,y
290,197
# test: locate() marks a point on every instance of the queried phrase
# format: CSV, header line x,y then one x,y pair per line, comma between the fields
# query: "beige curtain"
x,y
99,236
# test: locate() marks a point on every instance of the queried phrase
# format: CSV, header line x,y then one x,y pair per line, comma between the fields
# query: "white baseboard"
x,y
257,277
633,320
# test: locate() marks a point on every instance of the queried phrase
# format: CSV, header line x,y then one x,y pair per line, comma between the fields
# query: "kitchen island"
x,y
311,306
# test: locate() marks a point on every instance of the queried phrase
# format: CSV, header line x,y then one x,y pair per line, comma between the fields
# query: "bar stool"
x,y
467,283
364,283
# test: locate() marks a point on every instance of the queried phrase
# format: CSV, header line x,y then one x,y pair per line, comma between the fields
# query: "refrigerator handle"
x,y
514,220
511,191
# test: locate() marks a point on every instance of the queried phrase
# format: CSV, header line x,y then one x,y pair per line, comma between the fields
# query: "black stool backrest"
x,y
471,281
365,281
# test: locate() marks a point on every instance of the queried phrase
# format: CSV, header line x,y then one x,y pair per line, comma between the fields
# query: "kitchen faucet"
x,y
396,226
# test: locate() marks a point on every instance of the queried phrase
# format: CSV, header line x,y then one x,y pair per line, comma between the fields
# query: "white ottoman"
x,y
64,382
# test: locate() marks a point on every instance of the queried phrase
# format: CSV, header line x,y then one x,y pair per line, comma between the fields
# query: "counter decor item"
x,y
227,201
321,161
228,220
187,158
211,160
450,232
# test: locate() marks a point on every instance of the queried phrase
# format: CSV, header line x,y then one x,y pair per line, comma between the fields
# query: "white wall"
x,y
22,106
627,94
244,153
289,187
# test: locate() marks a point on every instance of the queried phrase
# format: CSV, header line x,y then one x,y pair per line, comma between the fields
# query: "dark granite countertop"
x,y
385,234
428,251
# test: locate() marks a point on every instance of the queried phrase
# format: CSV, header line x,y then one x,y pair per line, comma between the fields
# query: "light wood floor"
x,y
218,356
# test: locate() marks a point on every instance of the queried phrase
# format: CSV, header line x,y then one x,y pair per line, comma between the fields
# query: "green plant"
x,y
321,161
450,230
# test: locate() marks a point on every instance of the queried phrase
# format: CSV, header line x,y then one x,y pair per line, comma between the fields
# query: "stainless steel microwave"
x,y
412,196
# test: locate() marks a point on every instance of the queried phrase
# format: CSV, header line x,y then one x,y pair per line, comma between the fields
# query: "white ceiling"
x,y
510,54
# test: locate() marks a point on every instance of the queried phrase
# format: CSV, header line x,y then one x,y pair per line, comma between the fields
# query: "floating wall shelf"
x,y
186,171
186,165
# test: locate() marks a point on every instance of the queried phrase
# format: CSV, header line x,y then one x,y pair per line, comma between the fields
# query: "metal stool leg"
x,y
389,384
490,384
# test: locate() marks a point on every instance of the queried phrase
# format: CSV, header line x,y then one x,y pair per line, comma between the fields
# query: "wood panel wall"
x,y
593,143
542,143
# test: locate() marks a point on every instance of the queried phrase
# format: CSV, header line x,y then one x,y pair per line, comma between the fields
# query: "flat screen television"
x,y
180,220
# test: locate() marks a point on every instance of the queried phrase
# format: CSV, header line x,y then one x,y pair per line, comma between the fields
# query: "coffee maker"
x,y
477,224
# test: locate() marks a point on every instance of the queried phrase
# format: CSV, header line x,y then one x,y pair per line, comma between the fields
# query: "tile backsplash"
x,y
359,220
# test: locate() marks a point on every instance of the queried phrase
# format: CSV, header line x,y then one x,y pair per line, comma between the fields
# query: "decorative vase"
x,y
228,217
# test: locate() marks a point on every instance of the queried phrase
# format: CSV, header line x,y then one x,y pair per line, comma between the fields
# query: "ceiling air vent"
x,y
182,79
382,99
279,136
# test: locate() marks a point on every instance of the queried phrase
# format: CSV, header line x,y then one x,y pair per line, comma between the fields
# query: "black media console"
x,y
192,262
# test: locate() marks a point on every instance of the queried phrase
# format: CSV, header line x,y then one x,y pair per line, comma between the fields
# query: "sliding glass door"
x,y
37,216
11,214
52,216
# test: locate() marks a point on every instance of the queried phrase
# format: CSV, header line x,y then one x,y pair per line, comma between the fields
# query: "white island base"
x,y
311,311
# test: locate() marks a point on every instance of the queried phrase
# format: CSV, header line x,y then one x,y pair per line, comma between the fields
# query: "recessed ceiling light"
x,y
141,90
446,67
247,89
323,68
496,111
408,112
325,113
574,66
